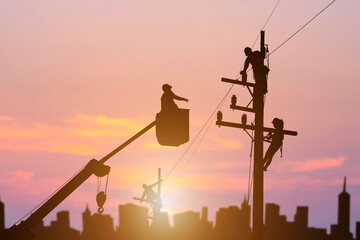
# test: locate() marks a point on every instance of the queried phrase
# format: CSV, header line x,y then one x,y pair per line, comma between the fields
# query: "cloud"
x,y
81,134
316,164
79,149
18,132
19,176
100,125
6,118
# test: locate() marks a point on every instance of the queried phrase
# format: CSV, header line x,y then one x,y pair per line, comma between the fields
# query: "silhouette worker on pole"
x,y
276,141
256,60
167,99
150,196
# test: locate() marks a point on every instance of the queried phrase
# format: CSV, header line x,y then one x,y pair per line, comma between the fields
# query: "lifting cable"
x,y
52,194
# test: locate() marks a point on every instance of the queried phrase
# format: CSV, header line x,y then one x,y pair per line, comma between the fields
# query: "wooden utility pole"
x,y
258,109
258,199
159,203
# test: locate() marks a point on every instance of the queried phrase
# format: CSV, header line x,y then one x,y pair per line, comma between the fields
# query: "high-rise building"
x,y
187,226
2,216
63,220
301,217
59,229
97,226
272,221
204,214
86,219
160,227
301,230
228,223
344,210
186,220
133,222
342,229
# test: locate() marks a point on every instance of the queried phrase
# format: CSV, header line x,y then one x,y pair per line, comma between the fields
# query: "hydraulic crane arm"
x,y
23,230
133,138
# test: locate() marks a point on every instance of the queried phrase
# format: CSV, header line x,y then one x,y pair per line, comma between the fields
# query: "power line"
x,y
266,22
218,107
198,134
302,27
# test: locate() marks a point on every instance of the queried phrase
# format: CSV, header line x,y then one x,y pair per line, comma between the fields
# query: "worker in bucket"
x,y
167,99
276,142
261,71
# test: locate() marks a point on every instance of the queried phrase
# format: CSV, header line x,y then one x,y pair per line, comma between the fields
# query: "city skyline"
x,y
130,215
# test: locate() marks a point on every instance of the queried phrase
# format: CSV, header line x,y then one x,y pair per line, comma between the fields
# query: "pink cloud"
x,y
316,164
6,118
82,134
19,176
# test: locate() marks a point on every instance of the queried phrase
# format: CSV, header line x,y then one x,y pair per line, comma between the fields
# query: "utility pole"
x,y
258,109
159,203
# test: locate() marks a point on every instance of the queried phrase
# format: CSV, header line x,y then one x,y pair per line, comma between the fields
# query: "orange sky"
x,y
79,78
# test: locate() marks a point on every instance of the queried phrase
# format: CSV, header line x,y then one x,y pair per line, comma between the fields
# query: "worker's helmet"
x,y
247,51
278,123
166,87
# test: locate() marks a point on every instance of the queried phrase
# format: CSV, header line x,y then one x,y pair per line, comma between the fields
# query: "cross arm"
x,y
251,127
228,80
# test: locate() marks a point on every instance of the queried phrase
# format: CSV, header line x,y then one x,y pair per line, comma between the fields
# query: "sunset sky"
x,y
78,78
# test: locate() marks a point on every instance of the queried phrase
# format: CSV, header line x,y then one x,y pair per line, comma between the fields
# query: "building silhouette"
x,y
341,230
231,223
160,227
2,215
133,222
97,226
59,229
186,225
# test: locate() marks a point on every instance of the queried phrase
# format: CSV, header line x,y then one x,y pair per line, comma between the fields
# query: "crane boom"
x,y
23,230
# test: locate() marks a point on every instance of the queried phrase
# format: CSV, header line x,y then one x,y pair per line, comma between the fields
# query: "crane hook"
x,y
100,200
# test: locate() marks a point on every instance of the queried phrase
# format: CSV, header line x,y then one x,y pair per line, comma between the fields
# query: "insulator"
x,y
244,119
244,77
219,116
233,100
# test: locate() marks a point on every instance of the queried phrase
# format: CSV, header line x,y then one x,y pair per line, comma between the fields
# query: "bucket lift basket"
x,y
172,127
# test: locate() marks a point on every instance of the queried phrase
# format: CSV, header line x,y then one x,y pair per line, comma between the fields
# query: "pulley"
x,y
100,200
101,195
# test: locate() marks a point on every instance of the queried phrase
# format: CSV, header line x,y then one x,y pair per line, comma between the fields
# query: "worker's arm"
x,y
246,65
143,196
180,98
